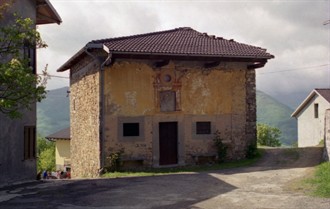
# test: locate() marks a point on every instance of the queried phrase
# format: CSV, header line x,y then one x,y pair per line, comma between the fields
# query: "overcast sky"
x,y
292,30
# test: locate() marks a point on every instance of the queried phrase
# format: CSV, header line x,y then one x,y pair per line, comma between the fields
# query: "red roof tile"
x,y
183,41
62,134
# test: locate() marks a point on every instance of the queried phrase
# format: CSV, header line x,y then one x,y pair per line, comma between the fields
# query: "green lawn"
x,y
320,182
174,170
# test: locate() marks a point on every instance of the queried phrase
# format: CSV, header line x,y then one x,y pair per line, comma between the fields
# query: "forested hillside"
x,y
276,114
53,112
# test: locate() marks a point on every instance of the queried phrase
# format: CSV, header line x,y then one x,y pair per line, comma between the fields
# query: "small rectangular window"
x,y
131,129
316,110
29,142
203,127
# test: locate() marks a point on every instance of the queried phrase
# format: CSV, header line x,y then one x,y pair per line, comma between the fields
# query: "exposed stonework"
x,y
327,136
85,122
251,107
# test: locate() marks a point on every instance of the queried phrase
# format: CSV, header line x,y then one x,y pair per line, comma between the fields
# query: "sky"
x,y
294,31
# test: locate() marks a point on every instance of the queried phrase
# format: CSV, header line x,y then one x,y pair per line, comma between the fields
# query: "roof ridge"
x,y
141,35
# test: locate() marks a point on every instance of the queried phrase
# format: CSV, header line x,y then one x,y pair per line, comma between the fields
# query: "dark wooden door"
x,y
168,143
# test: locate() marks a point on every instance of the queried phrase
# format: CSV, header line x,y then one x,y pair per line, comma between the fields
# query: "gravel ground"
x,y
262,186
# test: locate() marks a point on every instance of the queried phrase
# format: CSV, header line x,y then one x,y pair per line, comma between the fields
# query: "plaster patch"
x,y
131,98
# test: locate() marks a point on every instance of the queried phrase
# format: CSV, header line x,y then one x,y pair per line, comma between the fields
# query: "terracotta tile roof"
x,y
62,134
325,93
179,42
183,41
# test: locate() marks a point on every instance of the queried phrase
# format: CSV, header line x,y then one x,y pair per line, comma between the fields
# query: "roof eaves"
x,y
74,59
303,104
51,17
192,55
63,134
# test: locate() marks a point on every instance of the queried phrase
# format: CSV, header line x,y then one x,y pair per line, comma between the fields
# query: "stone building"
x,y
159,97
18,136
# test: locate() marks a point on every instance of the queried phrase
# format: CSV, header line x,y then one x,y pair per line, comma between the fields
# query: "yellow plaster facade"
x,y
62,154
217,95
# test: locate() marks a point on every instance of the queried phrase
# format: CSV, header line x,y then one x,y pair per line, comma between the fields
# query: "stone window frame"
x,y
203,126
196,119
162,84
139,120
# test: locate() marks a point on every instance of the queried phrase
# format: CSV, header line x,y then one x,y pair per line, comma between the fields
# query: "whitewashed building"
x,y
310,115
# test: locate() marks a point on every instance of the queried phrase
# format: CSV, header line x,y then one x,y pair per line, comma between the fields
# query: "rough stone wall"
x,y
327,136
223,95
251,108
85,122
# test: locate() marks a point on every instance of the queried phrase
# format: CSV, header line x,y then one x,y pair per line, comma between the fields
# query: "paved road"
x,y
263,186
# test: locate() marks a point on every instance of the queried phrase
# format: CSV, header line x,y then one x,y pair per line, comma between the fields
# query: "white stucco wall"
x,y
311,129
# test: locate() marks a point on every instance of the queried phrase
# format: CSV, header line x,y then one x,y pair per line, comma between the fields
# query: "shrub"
x,y
252,151
114,161
220,146
268,136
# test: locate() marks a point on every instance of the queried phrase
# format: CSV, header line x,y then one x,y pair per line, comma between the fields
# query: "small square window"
x,y
131,129
203,127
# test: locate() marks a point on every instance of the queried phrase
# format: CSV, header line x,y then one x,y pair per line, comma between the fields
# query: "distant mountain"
x,y
293,100
270,111
53,114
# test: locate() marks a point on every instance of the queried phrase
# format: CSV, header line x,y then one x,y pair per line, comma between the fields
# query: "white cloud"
x,y
291,30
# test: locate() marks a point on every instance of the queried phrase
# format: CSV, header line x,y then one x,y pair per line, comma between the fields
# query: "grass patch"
x,y
320,182
183,169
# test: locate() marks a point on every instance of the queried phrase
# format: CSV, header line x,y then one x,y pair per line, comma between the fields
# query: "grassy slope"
x,y
321,180
276,114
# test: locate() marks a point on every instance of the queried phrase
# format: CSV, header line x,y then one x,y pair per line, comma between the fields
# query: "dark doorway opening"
x,y
168,143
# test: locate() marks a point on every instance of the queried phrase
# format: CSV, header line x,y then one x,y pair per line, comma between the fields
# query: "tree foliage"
x,y
46,154
19,86
268,136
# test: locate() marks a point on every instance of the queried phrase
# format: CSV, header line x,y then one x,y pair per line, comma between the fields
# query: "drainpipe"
x,y
102,63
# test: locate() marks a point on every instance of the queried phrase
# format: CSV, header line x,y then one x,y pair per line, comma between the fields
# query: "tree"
x,y
20,86
46,154
268,136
